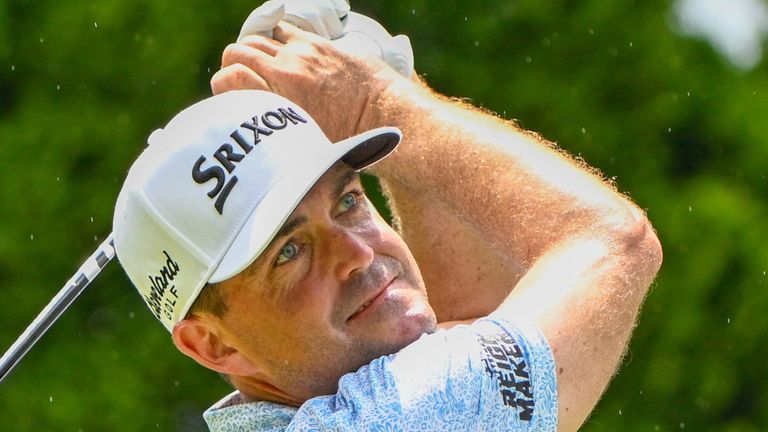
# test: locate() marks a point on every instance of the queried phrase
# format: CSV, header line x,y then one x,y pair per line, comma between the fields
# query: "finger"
x,y
286,32
267,45
237,77
253,58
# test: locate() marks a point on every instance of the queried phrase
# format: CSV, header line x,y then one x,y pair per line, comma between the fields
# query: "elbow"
x,y
638,241
653,245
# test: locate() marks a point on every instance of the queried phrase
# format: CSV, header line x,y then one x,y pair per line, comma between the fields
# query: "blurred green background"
x,y
626,85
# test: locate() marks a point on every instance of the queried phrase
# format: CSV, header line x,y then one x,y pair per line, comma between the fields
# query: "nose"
x,y
351,252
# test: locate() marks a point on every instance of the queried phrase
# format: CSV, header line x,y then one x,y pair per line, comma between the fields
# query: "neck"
x,y
253,389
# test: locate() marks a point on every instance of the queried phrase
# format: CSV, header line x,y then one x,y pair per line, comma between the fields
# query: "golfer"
x,y
245,229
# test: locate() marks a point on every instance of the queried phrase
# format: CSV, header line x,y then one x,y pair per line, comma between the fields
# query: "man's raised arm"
x,y
483,203
493,214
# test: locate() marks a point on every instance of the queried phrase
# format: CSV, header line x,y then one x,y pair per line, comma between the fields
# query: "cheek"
x,y
296,290
307,302
392,244
271,331
259,317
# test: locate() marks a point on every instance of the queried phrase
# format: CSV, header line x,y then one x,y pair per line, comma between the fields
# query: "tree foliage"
x,y
672,123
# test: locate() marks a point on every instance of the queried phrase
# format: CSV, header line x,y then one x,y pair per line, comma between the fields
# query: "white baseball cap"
x,y
213,187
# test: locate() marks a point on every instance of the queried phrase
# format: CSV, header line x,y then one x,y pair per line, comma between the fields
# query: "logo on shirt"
x,y
504,361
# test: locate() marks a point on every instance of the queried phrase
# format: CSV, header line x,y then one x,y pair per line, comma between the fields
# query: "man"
x,y
500,223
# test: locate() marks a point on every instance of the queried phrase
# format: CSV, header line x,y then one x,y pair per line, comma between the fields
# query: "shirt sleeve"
x,y
491,375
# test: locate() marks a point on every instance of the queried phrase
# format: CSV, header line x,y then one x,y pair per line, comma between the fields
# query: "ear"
x,y
198,338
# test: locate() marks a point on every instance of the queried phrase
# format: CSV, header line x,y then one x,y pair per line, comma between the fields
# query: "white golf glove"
x,y
333,20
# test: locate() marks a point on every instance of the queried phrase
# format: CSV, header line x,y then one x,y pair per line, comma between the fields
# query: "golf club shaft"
x,y
71,290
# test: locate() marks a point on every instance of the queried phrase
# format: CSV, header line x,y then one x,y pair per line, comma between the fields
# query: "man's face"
x,y
336,288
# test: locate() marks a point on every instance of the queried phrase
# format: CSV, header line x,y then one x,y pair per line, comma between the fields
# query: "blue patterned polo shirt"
x,y
491,375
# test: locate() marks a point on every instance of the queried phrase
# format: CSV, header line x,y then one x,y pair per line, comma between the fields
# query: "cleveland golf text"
x,y
158,300
227,157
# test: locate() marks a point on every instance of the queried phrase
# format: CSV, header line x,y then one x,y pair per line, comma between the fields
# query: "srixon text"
x,y
227,156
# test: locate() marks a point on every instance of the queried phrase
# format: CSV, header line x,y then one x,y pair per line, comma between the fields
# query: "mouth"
x,y
375,296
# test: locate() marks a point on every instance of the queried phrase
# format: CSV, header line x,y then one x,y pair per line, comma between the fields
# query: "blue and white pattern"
x,y
488,376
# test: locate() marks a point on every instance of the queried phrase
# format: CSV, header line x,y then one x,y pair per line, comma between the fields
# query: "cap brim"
x,y
287,192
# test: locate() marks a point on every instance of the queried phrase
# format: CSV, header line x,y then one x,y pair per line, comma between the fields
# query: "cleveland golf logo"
x,y
162,291
227,157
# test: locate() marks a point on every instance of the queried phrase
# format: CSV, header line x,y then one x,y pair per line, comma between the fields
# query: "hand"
x,y
334,86
332,20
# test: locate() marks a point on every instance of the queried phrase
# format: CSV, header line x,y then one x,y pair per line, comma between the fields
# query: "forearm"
x,y
480,200
506,182
465,277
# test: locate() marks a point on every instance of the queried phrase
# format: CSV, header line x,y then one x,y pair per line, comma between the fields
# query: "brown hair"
x,y
210,300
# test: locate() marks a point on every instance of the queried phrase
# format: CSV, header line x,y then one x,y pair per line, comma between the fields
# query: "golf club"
x,y
87,272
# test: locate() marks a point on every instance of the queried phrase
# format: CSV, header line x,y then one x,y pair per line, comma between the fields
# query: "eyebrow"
x,y
291,225
343,181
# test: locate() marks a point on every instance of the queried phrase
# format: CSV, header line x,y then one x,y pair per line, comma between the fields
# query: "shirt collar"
x,y
233,413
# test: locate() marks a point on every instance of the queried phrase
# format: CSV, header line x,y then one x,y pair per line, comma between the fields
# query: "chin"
x,y
399,334
416,322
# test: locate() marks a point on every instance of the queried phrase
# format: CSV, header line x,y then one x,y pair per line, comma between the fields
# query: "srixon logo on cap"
x,y
227,157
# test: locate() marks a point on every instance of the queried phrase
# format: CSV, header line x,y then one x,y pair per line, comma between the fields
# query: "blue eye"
x,y
287,253
348,201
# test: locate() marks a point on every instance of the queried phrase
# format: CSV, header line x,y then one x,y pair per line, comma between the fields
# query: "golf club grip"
x,y
53,310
